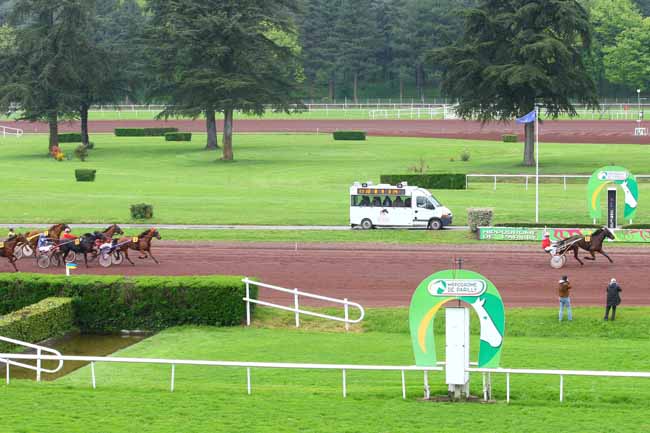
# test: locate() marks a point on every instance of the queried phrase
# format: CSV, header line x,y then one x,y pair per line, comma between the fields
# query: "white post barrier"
x,y
347,324
403,386
427,390
295,302
561,388
173,377
248,304
38,365
248,380
507,387
92,374
345,385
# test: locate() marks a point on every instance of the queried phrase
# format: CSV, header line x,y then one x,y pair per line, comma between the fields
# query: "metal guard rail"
x,y
296,309
38,357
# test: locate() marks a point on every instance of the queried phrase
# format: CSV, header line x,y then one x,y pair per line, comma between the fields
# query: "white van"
x,y
395,206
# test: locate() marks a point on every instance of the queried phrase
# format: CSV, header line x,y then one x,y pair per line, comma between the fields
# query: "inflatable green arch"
x,y
615,175
467,286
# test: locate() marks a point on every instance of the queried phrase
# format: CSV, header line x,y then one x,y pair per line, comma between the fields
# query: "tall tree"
x,y
628,62
516,54
223,55
42,73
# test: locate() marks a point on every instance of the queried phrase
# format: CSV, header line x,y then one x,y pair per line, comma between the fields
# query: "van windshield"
x,y
435,202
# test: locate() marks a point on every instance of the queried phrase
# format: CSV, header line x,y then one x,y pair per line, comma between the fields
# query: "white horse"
x,y
489,332
629,198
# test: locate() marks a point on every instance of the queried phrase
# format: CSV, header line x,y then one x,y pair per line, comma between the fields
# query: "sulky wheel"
x,y
105,260
71,256
43,261
558,262
117,258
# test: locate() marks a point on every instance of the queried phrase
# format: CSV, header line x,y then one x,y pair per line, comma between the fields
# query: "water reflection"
x,y
75,344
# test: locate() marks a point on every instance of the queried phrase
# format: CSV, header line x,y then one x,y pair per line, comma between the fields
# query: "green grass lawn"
x,y
283,179
214,399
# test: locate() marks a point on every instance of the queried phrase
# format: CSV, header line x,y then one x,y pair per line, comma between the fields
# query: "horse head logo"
x,y
489,332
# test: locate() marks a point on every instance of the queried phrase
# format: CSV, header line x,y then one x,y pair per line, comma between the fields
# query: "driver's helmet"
x,y
546,235
67,230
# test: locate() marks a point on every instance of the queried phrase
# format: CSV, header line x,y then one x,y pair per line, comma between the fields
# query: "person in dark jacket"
x,y
613,298
565,300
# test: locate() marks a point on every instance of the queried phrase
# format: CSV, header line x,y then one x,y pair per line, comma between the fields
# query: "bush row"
x,y
430,181
178,136
113,303
141,211
143,132
349,135
50,317
637,226
72,137
84,175
509,138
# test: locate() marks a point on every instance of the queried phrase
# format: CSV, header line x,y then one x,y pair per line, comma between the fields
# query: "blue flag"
x,y
527,118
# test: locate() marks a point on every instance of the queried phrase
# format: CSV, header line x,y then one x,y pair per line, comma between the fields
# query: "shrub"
x,y
141,211
90,145
430,181
465,155
178,136
509,138
72,137
349,135
479,217
84,175
50,317
419,167
81,152
113,303
143,132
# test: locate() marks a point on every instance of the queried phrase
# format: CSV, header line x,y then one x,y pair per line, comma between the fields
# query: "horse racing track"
x,y
386,275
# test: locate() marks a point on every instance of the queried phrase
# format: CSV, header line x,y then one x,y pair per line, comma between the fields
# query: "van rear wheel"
x,y
366,224
435,224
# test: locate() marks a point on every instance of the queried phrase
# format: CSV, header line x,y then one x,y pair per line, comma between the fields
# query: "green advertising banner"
x,y
467,286
556,234
612,175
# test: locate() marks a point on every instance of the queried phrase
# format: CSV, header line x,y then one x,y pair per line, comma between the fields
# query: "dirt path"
x,y
575,131
384,275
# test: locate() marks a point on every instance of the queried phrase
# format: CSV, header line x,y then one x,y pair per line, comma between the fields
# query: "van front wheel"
x,y
366,224
435,224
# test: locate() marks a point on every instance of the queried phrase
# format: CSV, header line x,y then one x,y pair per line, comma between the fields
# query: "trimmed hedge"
x,y
349,135
113,303
178,136
143,132
637,226
72,137
509,138
141,211
429,181
549,225
83,175
50,317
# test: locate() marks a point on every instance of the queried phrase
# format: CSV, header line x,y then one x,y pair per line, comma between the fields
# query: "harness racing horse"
x,y
592,244
140,243
85,245
7,249
111,231
53,232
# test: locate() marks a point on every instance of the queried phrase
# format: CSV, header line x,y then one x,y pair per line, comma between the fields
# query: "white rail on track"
x,y
248,365
39,352
296,304
8,130
528,177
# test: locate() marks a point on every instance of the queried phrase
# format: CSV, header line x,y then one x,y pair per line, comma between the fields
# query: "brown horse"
x,y
141,243
8,247
592,244
53,232
111,231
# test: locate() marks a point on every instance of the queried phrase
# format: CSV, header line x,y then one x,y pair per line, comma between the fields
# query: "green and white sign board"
x,y
612,175
470,287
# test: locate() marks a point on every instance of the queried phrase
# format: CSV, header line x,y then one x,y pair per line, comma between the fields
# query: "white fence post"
x,y
561,388
248,304
38,365
173,376
495,183
347,324
295,302
427,390
345,385
92,374
507,387
248,380
403,386
565,183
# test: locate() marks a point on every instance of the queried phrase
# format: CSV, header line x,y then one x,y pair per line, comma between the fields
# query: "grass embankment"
x,y
214,399
283,179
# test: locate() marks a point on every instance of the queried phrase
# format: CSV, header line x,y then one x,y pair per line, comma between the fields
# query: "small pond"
x,y
75,344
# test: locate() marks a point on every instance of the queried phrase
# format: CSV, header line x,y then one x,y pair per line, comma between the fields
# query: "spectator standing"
x,y
565,300
613,298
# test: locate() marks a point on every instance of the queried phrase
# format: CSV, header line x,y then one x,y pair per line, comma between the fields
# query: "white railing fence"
x,y
527,178
296,304
38,368
7,130
411,113
486,372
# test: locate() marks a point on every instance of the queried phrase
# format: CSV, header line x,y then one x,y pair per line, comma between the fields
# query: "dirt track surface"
x,y
386,275
575,131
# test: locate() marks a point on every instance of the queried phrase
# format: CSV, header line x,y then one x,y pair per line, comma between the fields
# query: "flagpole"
x,y
536,164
